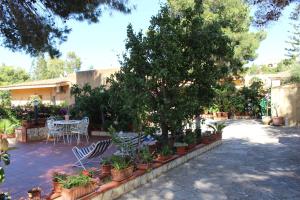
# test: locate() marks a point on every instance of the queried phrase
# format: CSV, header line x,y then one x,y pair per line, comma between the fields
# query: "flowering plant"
x,y
63,111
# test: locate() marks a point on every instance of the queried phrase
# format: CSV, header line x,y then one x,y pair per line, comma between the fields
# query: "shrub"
x,y
120,162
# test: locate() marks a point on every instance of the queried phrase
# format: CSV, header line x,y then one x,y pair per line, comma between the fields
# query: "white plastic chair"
x,y
82,129
53,131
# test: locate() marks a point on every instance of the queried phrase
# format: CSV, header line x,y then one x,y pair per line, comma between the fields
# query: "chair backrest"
x,y
50,124
86,119
100,148
83,126
132,143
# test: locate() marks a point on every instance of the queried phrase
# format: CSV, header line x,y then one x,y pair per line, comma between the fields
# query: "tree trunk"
x,y
164,131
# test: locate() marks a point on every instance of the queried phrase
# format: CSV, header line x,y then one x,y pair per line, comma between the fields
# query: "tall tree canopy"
x,y
36,26
169,73
11,75
234,17
55,67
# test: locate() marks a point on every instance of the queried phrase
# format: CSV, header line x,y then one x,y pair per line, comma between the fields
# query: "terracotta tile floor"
x,y
32,164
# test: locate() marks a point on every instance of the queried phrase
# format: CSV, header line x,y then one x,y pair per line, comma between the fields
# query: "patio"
x,y
32,164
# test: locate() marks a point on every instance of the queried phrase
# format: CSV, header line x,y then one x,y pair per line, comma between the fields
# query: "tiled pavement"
x,y
254,162
32,165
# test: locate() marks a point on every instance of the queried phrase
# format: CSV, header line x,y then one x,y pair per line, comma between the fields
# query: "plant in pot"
x,y
206,137
264,106
106,166
145,159
76,186
164,154
122,168
57,178
34,193
181,148
218,129
277,120
190,139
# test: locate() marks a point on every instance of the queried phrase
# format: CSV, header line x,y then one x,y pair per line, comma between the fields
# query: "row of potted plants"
x,y
120,168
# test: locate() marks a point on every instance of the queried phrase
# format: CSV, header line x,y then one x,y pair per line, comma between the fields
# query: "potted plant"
x,y
56,179
181,148
264,105
164,154
190,139
76,186
7,130
206,138
277,120
106,166
145,159
218,129
122,168
34,193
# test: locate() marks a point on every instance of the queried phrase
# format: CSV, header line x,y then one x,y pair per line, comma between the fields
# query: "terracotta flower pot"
x,y
120,175
144,166
219,135
77,192
181,150
105,169
214,137
206,140
34,194
57,187
277,121
191,146
162,158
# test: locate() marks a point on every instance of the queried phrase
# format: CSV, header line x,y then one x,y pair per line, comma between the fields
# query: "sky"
x,y
99,45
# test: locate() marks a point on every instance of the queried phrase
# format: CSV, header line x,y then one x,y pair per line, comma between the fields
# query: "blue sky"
x,y
99,45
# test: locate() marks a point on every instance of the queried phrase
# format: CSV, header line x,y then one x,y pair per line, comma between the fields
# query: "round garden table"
x,y
67,126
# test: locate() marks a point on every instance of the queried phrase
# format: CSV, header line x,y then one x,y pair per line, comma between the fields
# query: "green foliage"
x,y
295,74
165,151
190,138
39,26
55,67
145,156
218,127
234,18
58,177
106,161
12,75
5,99
168,74
120,162
93,103
75,181
5,158
7,126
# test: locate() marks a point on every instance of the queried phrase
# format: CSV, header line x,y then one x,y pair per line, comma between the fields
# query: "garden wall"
x,y
287,97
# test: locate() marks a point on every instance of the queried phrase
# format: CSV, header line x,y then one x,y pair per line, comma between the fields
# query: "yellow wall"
x,y
287,98
94,78
22,96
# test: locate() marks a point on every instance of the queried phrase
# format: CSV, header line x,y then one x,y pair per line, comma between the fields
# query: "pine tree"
x,y
294,42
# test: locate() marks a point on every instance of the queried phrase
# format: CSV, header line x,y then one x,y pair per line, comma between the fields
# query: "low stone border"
x,y
114,190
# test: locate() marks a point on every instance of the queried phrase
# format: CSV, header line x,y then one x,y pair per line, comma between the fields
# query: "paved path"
x,y
254,162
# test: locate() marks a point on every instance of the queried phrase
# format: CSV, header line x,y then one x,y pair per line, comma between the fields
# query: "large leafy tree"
x,y
36,26
55,67
11,75
168,74
234,17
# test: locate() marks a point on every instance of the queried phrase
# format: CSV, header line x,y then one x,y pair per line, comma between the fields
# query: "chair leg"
x,y
87,138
